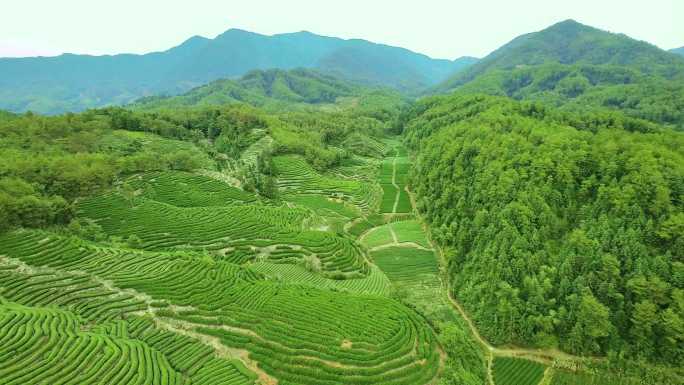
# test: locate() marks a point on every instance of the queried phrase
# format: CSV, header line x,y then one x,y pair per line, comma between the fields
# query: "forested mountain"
x,y
573,66
562,229
74,82
570,42
263,88
679,51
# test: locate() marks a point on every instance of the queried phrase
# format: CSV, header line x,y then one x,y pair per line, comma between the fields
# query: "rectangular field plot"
x,y
389,193
401,169
515,371
407,265
414,274
561,377
378,236
404,203
410,231
324,205
386,171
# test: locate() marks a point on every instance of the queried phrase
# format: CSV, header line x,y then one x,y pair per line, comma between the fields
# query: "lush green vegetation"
x,y
575,66
262,230
276,89
226,266
515,371
562,229
567,378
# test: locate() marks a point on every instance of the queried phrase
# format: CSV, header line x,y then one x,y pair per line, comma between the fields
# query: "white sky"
x,y
438,28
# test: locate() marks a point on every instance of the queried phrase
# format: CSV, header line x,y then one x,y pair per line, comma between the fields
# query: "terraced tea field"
x,y
284,327
515,371
375,283
296,176
200,282
184,189
393,179
235,233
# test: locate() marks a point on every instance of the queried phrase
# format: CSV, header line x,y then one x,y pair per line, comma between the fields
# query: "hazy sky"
x,y
439,28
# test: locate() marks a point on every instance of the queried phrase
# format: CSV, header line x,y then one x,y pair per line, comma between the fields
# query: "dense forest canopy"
x,y
562,229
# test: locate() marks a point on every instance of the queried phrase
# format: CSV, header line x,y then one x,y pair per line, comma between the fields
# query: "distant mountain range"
x,y
573,66
75,82
679,51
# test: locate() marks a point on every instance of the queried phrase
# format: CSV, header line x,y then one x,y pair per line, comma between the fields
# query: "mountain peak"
x,y
570,43
236,32
568,29
568,23
195,40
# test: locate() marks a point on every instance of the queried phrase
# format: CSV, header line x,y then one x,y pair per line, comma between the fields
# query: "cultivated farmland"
x,y
516,371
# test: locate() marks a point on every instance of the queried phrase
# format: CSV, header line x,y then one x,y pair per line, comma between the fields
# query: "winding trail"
x,y
397,193
543,356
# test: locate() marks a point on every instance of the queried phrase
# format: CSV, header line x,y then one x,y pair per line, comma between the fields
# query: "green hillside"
x,y
563,230
570,42
571,65
276,89
679,51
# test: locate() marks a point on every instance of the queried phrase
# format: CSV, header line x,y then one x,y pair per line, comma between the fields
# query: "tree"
x,y
591,327
644,319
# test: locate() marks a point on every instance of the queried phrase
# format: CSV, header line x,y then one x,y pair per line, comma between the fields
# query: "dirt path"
x,y
393,234
397,194
411,245
543,356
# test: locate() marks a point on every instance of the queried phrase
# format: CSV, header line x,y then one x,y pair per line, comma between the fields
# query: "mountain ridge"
x,y
72,82
577,67
262,88
568,42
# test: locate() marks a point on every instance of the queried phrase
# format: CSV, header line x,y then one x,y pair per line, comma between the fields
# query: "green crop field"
x,y
375,283
295,175
237,232
407,265
324,206
410,231
393,177
381,235
223,300
561,377
389,193
516,371
184,189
